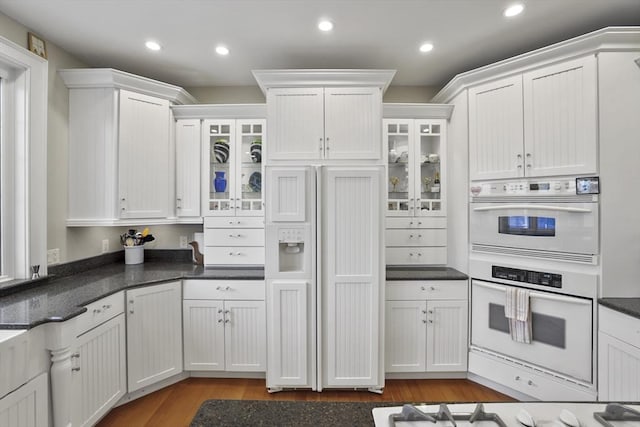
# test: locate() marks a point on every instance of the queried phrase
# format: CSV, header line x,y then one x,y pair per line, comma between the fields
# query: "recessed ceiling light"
x,y
325,25
513,10
151,45
222,50
426,47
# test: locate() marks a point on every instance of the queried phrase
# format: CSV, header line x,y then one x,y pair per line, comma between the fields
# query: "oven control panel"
x,y
565,187
527,276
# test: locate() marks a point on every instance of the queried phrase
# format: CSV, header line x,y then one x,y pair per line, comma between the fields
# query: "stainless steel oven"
x,y
535,219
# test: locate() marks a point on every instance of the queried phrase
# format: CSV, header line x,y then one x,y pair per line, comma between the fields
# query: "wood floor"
x,y
176,405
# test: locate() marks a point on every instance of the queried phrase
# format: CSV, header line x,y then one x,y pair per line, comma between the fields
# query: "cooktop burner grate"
x,y
412,414
616,412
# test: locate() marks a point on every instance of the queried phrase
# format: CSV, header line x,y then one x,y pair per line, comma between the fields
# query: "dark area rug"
x,y
285,413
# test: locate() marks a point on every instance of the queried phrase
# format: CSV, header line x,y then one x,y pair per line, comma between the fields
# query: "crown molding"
x,y
416,111
610,39
220,111
93,78
337,77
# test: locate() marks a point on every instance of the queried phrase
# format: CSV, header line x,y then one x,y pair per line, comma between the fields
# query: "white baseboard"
x,y
154,387
223,374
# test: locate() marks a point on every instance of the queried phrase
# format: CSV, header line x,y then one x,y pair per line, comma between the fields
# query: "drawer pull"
x,y
106,306
75,369
75,356
97,311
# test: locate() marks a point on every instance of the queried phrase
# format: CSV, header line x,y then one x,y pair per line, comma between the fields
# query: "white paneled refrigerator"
x,y
324,271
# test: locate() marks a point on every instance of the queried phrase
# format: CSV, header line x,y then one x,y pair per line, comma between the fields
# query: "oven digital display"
x,y
527,225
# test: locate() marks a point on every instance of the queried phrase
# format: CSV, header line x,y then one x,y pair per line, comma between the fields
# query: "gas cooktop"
x,y
529,414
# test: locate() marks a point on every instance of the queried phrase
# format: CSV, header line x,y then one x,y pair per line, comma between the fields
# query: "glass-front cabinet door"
x,y
249,183
415,168
234,156
220,141
428,163
397,135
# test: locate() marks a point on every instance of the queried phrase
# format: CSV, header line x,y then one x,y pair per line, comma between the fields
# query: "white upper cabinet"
x,y
143,156
187,168
560,118
496,129
121,159
324,123
232,162
296,123
539,123
324,114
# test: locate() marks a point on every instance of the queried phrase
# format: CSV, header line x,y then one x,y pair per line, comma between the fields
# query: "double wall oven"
x,y
542,237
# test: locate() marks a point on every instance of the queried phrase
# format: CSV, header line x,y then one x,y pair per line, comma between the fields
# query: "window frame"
x,y
23,157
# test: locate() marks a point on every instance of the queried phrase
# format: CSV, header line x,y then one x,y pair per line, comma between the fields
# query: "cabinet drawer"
x,y
426,289
416,255
234,222
416,237
224,289
234,237
526,381
100,311
422,222
219,255
624,327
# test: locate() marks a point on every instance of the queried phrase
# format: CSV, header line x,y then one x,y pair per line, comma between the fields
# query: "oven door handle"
x,y
537,294
537,207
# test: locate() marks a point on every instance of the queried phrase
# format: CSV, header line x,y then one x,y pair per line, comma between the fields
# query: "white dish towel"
x,y
518,312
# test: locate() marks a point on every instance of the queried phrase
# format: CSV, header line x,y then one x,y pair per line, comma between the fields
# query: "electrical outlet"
x,y
183,242
53,256
105,246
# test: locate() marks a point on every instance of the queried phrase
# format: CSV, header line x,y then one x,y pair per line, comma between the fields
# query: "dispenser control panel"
x,y
291,235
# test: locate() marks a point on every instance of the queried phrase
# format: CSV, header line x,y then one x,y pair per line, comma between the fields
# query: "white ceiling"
x,y
278,34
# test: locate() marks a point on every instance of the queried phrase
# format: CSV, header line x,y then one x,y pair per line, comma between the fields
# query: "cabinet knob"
x,y
419,222
411,236
410,222
528,155
227,321
430,321
419,236
528,165
219,320
75,369
226,312
432,288
97,311
517,378
219,310
422,288
424,321
430,311
75,355
419,254
106,306
424,311
529,382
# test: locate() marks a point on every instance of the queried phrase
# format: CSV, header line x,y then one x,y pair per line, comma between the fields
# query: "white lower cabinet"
x,y
618,356
426,326
99,373
224,326
28,406
154,334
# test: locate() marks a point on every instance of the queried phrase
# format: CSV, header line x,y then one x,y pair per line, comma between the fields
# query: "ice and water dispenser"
x,y
289,222
291,249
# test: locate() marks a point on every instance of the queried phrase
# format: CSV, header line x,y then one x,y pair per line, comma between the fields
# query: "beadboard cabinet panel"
x,y
28,406
154,334
187,168
496,129
143,156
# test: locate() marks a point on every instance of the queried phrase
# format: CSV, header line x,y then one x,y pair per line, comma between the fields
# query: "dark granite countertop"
x,y
630,306
60,299
413,272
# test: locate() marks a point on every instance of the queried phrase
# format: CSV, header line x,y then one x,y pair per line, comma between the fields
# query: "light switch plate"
x,y
183,242
105,246
53,256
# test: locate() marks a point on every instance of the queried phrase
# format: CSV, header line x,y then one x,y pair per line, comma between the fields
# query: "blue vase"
x,y
220,182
